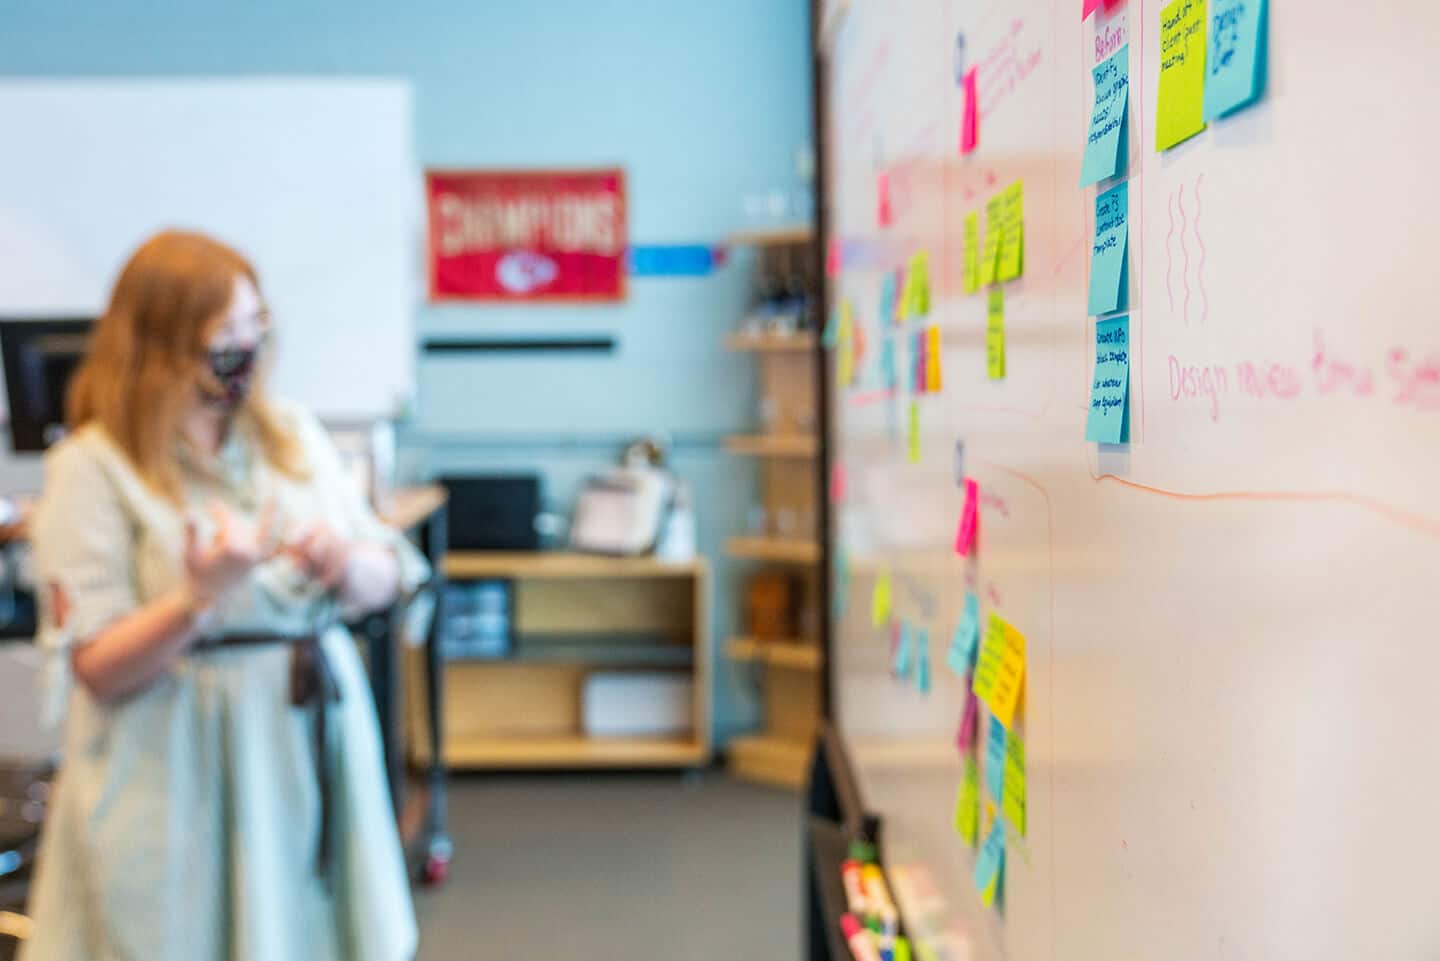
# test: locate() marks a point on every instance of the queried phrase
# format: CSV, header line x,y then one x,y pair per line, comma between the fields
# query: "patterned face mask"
x,y
234,371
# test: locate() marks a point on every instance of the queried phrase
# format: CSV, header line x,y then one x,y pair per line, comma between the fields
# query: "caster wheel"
x,y
434,871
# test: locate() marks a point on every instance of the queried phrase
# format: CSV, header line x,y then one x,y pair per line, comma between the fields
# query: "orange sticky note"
x,y
932,359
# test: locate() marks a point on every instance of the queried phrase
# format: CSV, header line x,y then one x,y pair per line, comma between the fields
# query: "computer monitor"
x,y
40,355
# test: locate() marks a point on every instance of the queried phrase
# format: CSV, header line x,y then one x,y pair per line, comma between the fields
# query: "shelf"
x,y
794,654
771,343
773,445
562,565
770,760
791,236
783,550
613,650
572,752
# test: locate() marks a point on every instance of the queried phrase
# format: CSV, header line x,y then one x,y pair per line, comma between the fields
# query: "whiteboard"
x,y
313,179
1229,708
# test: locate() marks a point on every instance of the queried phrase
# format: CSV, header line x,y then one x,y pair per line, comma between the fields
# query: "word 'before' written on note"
x,y
1109,254
1109,121
1180,101
1109,419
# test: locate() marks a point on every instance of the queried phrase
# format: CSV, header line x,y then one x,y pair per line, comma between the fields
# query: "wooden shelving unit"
x,y
573,614
781,607
792,235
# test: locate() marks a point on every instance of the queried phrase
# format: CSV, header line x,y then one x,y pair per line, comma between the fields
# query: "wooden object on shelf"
x,y
573,614
799,342
773,445
770,599
778,550
793,653
793,235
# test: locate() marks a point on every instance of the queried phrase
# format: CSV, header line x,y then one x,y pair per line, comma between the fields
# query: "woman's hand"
x,y
322,554
234,550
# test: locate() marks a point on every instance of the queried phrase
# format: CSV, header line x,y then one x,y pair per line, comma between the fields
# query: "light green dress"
x,y
185,823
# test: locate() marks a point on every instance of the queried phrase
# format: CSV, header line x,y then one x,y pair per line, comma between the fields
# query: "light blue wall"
x,y
701,103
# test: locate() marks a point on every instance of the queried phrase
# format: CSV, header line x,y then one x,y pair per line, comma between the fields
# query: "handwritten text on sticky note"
x,y
966,641
1109,419
1105,146
1235,57
1013,805
992,653
1009,685
995,760
995,335
1012,244
1180,101
967,804
990,864
1110,252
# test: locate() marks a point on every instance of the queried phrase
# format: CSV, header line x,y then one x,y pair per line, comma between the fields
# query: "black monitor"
x,y
40,355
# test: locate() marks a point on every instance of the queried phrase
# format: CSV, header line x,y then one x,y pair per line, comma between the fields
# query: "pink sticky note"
x,y
969,124
837,482
969,519
970,721
1089,8
882,199
832,258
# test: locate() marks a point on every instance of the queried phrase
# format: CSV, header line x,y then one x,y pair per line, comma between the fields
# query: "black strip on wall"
x,y
521,345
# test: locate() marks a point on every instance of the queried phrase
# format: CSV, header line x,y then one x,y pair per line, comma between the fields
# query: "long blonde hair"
x,y
143,367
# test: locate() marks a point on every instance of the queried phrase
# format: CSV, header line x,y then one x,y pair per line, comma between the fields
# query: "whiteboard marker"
x,y
854,888
862,943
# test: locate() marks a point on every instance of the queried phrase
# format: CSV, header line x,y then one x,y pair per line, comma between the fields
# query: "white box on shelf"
x,y
638,704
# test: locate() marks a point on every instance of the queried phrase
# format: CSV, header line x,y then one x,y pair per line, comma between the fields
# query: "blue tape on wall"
x,y
675,260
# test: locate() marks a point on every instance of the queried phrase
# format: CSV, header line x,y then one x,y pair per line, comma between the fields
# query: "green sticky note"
x,y
995,760
1105,147
994,233
1014,803
912,433
917,281
967,804
972,252
1109,419
880,600
902,949
990,864
992,654
1012,245
1235,58
1109,255
967,637
995,336
1180,102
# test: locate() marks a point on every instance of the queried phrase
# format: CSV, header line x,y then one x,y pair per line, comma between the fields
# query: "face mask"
x,y
234,371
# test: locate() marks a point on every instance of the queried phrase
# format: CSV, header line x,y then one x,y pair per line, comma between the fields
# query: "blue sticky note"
x,y
888,374
1107,145
967,637
1109,255
1109,420
990,863
1235,57
902,652
922,663
995,760
887,298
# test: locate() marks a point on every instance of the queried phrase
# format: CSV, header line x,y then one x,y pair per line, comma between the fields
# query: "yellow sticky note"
x,y
913,433
845,337
1009,678
917,280
995,335
967,804
932,359
992,655
1180,101
880,600
1014,803
972,253
994,232
1012,245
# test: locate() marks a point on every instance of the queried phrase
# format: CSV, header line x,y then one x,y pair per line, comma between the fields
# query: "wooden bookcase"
x,y
786,447
573,614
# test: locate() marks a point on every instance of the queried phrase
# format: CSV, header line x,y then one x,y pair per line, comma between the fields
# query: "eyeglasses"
x,y
243,331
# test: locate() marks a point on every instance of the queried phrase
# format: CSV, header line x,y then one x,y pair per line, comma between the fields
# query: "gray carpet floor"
x,y
617,868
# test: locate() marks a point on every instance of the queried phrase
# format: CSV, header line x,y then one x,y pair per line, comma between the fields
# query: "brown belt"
x,y
313,687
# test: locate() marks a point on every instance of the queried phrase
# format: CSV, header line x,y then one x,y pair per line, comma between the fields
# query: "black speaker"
x,y
493,512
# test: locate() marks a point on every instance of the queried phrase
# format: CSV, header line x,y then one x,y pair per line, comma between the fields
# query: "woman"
x,y
221,795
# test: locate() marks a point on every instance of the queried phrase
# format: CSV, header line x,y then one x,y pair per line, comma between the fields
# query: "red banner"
x,y
526,235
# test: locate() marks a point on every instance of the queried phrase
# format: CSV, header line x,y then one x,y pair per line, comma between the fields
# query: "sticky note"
x,y
1108,139
903,652
1180,100
1235,57
972,252
1012,243
994,233
966,640
899,306
834,257
969,721
932,359
889,376
912,433
970,119
857,339
1109,254
880,600
987,664
1109,420
1013,804
995,760
967,804
831,336
1009,681
917,282
883,213
922,661
990,864
902,950
969,519
887,297
995,336
1088,8
841,593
